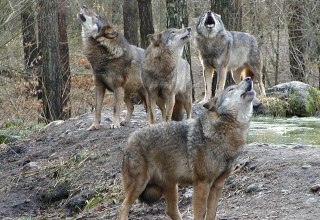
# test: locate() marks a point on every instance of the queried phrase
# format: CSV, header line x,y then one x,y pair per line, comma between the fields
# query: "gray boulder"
x,y
290,99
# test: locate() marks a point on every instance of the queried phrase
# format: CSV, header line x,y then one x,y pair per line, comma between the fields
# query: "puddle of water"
x,y
304,131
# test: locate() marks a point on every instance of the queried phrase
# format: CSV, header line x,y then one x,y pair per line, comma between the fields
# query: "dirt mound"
x,y
65,170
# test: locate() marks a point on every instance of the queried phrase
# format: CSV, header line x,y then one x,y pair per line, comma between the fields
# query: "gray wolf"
x,y
166,76
115,63
198,152
223,50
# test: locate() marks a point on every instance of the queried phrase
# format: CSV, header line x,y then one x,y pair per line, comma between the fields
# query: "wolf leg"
x,y
188,106
200,197
207,76
221,82
171,195
236,75
162,105
257,72
130,109
134,177
118,98
99,90
170,105
214,196
151,108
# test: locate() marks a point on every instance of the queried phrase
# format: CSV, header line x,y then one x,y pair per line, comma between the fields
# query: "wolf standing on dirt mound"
x,y
166,76
115,63
198,152
223,50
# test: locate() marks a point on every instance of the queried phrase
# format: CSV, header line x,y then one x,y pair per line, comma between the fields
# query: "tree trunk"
x,y
64,59
29,38
117,13
177,17
131,21
163,17
146,21
231,15
296,47
51,71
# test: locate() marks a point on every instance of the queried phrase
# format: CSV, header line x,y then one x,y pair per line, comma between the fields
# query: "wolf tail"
x,y
151,194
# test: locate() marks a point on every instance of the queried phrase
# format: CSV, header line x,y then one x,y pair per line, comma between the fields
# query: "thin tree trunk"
x,y
51,68
146,21
64,59
131,21
177,17
231,15
29,38
296,47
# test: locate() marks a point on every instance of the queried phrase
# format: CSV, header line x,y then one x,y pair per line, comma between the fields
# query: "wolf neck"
x,y
109,52
86,35
227,129
163,61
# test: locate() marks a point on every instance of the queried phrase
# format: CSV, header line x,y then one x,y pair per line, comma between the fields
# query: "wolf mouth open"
x,y
187,35
82,17
209,22
249,91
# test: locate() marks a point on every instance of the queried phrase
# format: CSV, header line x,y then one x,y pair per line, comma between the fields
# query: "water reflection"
x,y
304,131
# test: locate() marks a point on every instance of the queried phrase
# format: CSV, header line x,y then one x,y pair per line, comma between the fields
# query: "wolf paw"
x,y
94,127
124,123
115,125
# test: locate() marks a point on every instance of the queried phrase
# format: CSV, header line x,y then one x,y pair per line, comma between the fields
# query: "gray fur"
x,y
198,152
166,76
224,50
115,63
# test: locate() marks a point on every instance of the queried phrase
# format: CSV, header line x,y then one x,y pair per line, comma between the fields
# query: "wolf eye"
x,y
172,32
230,89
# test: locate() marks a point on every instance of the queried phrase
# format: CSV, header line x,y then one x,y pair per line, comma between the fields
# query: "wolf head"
x,y
209,24
91,22
110,38
235,101
171,39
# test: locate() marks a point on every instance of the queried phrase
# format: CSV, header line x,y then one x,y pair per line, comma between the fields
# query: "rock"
x,y
306,166
315,188
290,99
53,124
252,188
55,193
30,166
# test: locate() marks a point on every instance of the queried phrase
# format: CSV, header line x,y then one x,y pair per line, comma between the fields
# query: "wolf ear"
x,y
211,104
154,38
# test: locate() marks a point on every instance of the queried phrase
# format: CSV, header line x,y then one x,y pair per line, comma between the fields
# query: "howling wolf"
x,y
115,63
198,152
166,76
223,50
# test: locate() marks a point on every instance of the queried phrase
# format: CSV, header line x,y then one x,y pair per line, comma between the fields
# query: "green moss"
x,y
313,104
301,107
275,107
296,104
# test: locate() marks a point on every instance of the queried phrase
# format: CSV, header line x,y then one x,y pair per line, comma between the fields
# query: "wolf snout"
x,y
249,82
248,79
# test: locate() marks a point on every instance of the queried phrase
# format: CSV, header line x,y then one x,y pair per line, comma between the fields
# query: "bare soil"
x,y
66,172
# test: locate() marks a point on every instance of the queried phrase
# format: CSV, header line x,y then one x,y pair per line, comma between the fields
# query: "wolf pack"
x,y
197,151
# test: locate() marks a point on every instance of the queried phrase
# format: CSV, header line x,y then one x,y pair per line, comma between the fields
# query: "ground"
x,y
67,172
